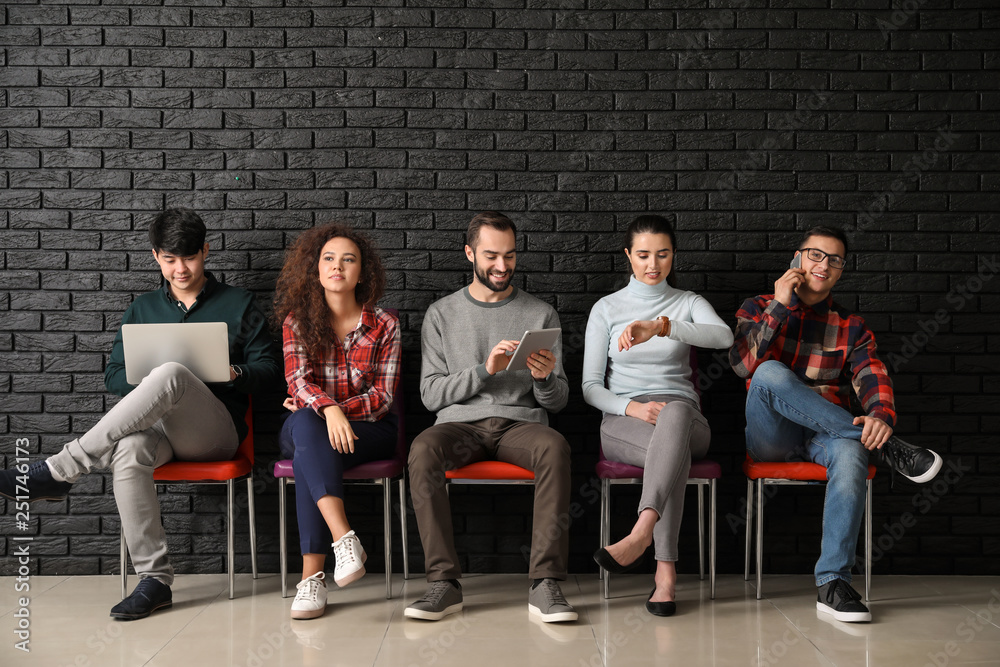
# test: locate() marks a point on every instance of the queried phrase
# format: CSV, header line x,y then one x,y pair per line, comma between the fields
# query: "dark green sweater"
x,y
250,346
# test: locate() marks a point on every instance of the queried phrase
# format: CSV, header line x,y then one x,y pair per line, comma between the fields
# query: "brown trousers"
x,y
527,444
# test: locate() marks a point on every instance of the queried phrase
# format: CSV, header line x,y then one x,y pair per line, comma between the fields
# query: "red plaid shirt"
x,y
827,346
361,375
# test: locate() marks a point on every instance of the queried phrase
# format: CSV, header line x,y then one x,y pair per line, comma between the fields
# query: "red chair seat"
x,y
202,471
490,470
793,470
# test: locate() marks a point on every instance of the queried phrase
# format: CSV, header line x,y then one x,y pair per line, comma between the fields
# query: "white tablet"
x,y
202,347
531,342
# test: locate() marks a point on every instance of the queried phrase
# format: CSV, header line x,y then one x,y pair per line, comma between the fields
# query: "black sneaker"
x,y
149,595
838,599
914,463
37,484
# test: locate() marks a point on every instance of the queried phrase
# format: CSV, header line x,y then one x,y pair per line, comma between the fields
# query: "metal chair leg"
x,y
282,535
124,548
606,531
253,525
712,537
387,529
231,538
868,542
760,535
402,526
749,528
701,532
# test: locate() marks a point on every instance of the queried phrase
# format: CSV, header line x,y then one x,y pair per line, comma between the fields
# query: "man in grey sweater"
x,y
486,412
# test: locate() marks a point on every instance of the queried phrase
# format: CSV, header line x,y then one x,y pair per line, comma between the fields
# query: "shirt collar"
x,y
206,290
645,291
368,319
821,308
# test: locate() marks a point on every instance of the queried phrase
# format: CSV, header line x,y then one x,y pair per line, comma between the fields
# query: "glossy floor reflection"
x,y
918,621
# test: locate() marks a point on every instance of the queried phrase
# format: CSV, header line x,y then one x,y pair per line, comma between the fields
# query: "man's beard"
x,y
484,278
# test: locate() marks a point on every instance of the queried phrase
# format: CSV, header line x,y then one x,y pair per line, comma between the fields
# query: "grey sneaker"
x,y
547,602
441,599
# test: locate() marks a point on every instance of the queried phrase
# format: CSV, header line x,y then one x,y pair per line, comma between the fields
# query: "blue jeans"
x,y
788,421
319,468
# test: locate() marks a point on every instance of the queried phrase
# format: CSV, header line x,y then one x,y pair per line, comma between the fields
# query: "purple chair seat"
x,y
370,470
702,469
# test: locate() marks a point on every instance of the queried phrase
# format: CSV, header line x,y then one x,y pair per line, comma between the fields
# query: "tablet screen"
x,y
532,341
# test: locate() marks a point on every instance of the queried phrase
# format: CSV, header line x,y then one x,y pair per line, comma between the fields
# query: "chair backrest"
x,y
398,405
246,447
694,373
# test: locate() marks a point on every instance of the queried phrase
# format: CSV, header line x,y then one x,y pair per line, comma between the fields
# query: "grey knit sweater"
x,y
456,338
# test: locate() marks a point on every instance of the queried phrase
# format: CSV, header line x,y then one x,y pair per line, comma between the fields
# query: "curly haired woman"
x,y
341,363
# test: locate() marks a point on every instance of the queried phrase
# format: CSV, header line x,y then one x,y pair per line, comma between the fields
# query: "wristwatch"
x,y
236,370
663,325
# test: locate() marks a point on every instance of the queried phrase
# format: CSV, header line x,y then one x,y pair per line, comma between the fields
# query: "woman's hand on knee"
x,y
339,429
647,412
289,404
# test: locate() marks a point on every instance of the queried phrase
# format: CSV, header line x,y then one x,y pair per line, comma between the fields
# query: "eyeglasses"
x,y
817,255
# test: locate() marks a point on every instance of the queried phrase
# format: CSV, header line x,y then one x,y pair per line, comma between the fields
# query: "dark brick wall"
x,y
745,121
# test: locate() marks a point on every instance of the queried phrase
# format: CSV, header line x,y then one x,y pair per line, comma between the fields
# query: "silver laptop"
x,y
202,347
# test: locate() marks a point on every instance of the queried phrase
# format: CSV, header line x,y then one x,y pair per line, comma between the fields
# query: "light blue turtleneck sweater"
x,y
659,366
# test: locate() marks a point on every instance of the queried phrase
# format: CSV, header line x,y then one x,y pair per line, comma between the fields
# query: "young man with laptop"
x,y
170,413
487,412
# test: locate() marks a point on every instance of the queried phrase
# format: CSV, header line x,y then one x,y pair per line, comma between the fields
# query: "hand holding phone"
x,y
785,286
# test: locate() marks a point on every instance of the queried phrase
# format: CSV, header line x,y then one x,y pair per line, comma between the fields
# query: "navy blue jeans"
x,y
319,468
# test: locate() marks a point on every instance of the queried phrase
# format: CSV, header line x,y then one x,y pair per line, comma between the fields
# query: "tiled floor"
x,y
918,621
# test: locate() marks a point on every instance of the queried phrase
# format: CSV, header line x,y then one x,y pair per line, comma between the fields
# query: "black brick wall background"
x,y
745,121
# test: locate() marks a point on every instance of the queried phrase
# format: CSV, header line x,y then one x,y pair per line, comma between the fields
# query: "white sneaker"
x,y
310,600
351,559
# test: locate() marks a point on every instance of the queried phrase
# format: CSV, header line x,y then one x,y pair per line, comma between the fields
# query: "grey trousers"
x,y
664,452
171,414
527,444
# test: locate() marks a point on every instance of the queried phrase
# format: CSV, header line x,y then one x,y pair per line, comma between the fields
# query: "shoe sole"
x,y
353,576
845,616
931,472
306,614
559,617
423,615
135,617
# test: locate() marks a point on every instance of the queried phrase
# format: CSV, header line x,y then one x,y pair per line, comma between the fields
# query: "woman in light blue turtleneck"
x,y
636,370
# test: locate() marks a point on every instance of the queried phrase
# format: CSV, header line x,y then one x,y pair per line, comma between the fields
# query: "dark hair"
x,y
830,232
653,224
494,219
178,231
298,290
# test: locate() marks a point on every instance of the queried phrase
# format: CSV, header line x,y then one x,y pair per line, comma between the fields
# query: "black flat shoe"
x,y
149,595
605,560
660,608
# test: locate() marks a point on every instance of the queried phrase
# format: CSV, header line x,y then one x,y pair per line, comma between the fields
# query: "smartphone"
x,y
796,262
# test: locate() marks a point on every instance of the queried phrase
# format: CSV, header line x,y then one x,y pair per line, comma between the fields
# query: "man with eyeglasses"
x,y
802,355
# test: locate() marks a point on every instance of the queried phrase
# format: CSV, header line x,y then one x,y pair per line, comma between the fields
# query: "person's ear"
x,y
470,254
